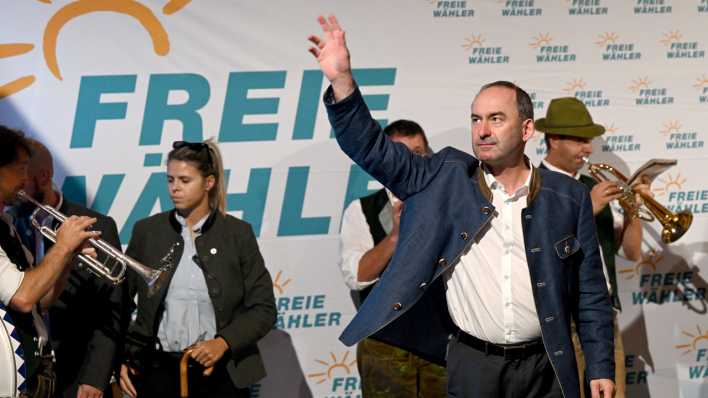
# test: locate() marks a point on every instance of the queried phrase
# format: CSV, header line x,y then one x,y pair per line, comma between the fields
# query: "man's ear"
x,y
528,129
44,178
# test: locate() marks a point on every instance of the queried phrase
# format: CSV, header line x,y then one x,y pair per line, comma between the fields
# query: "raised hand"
x,y
333,56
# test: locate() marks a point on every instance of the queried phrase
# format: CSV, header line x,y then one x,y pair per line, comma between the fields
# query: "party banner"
x,y
108,85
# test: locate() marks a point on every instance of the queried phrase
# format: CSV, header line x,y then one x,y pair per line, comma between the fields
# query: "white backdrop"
x,y
108,85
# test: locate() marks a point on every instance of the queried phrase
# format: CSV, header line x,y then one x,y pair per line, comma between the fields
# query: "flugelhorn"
x,y
115,273
674,224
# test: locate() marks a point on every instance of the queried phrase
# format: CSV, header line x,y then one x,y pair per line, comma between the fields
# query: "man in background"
x,y
84,321
570,131
368,240
28,284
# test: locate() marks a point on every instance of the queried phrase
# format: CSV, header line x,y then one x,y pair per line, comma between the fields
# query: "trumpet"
x,y
115,273
674,224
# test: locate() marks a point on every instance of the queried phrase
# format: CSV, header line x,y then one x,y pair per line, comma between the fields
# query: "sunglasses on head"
x,y
195,146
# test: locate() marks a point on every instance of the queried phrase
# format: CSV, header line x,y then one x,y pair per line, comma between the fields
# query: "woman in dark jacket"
x,y
214,298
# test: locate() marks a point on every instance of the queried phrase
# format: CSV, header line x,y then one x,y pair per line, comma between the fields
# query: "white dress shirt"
x,y
355,240
489,293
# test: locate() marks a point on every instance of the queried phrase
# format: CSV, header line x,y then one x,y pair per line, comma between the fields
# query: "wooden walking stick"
x,y
183,374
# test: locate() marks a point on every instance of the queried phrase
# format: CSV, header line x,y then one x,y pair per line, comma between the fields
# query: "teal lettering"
x,y
157,109
74,189
291,220
310,90
697,372
90,109
375,77
358,185
253,201
237,106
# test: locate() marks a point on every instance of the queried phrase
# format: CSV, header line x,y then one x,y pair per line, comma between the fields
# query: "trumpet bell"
x,y
676,226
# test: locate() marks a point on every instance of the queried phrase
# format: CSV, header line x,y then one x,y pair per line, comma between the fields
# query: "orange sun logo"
x,y
321,377
278,285
670,37
541,40
670,183
649,260
701,82
695,338
638,84
611,129
574,85
607,38
75,9
672,126
473,41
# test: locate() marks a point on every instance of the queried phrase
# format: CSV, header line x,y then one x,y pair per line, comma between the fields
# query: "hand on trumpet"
x,y
603,193
642,188
74,232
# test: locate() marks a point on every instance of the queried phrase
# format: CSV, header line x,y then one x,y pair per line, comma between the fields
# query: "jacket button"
x,y
528,216
567,249
549,318
486,210
464,235
423,285
558,353
540,284
397,306
442,262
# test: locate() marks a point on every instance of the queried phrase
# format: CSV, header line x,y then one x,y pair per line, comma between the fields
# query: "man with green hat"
x,y
570,130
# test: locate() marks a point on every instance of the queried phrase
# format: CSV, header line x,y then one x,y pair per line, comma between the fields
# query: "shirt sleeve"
x,y
10,278
617,221
617,215
355,240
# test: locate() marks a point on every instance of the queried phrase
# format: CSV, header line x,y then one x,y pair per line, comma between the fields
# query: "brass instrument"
x,y
115,273
674,224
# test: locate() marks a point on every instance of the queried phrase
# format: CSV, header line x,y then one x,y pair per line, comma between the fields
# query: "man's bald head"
x,y
41,160
40,173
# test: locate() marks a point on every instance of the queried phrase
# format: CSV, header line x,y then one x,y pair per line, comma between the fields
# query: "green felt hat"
x,y
569,116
